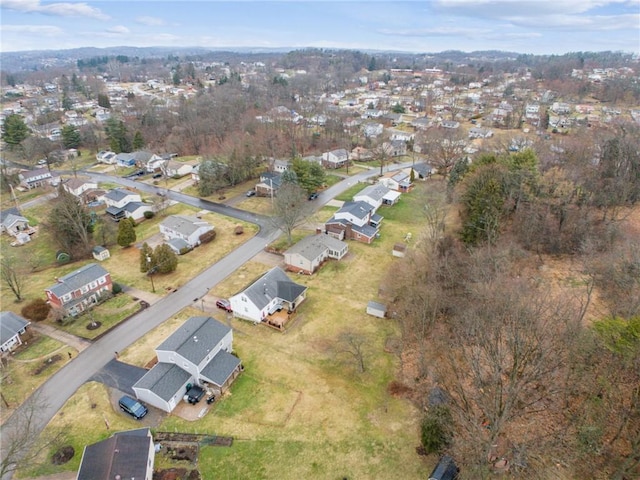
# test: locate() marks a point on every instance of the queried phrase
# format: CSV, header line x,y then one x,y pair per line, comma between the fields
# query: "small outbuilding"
x,y
376,309
100,253
399,250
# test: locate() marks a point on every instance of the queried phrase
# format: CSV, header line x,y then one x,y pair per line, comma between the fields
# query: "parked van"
x,y
133,407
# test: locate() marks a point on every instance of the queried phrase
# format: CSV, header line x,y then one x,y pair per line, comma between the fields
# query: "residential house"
x,y
124,455
108,157
38,178
354,221
395,148
421,123
311,252
267,296
125,160
12,327
335,158
280,166
172,168
80,289
269,184
422,171
361,154
197,353
122,203
184,227
377,195
78,185
478,132
100,253
14,224
399,181
450,124
372,130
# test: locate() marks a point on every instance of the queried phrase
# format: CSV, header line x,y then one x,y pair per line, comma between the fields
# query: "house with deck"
x,y
266,297
80,289
199,352
14,224
354,221
335,158
122,203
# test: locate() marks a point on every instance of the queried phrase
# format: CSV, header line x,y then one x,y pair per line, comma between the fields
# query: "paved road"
x,y
64,383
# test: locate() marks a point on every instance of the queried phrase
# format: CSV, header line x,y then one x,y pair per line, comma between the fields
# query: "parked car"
x,y
224,305
313,196
157,175
250,193
133,407
42,161
446,469
194,394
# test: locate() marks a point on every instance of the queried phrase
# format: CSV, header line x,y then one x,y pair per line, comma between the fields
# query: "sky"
x,y
421,26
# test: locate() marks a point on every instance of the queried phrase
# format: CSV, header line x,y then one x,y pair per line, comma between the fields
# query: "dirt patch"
x,y
63,455
176,474
46,364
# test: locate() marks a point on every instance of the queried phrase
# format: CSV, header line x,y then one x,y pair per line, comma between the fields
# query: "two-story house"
x,y
354,221
80,289
122,203
267,296
335,159
12,328
197,353
185,228
269,184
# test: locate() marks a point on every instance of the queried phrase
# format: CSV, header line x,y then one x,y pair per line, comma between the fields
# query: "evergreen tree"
x,y
164,260
146,257
126,232
70,136
138,141
103,100
14,130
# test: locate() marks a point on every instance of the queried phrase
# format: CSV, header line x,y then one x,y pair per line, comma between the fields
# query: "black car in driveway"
x,y
194,394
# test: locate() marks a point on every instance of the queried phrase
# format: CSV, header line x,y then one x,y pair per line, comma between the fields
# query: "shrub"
x,y
207,237
148,214
116,288
36,311
436,429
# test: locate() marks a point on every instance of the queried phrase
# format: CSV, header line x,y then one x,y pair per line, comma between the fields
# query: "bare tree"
x,y
444,147
12,276
353,344
290,208
21,441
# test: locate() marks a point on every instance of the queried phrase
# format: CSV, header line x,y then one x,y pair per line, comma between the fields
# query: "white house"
x,y
377,195
106,156
78,185
12,327
269,294
171,168
335,159
311,252
399,181
199,352
38,178
185,227
14,224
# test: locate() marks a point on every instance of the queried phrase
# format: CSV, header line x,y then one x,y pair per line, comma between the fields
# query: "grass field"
x,y
301,408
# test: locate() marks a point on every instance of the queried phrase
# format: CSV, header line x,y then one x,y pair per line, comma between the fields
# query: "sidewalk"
x,y
67,338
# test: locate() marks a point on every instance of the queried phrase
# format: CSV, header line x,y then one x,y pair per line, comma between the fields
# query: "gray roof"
x,y
366,230
29,174
10,324
177,244
133,206
423,169
125,454
10,219
76,279
273,284
184,224
9,211
195,338
118,194
164,379
358,209
313,246
220,368
376,306
375,192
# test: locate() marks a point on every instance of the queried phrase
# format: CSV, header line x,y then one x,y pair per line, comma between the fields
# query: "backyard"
x,y
302,407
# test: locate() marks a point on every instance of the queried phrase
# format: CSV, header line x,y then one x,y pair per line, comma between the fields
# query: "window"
x,y
93,285
84,289
66,298
102,280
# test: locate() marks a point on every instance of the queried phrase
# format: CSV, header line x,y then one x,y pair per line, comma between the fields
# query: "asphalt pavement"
x,y
63,384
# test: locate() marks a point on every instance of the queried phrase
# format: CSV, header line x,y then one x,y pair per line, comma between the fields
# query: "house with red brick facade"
x,y
80,289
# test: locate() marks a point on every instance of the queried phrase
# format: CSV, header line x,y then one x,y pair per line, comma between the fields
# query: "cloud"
x,y
502,8
435,32
62,9
120,29
569,22
46,30
151,21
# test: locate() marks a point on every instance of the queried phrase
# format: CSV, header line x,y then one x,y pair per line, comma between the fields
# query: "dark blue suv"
x,y
133,407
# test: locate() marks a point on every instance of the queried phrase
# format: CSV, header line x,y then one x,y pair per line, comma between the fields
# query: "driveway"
x,y
120,376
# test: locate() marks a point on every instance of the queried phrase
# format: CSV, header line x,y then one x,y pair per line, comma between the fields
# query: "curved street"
x,y
54,393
